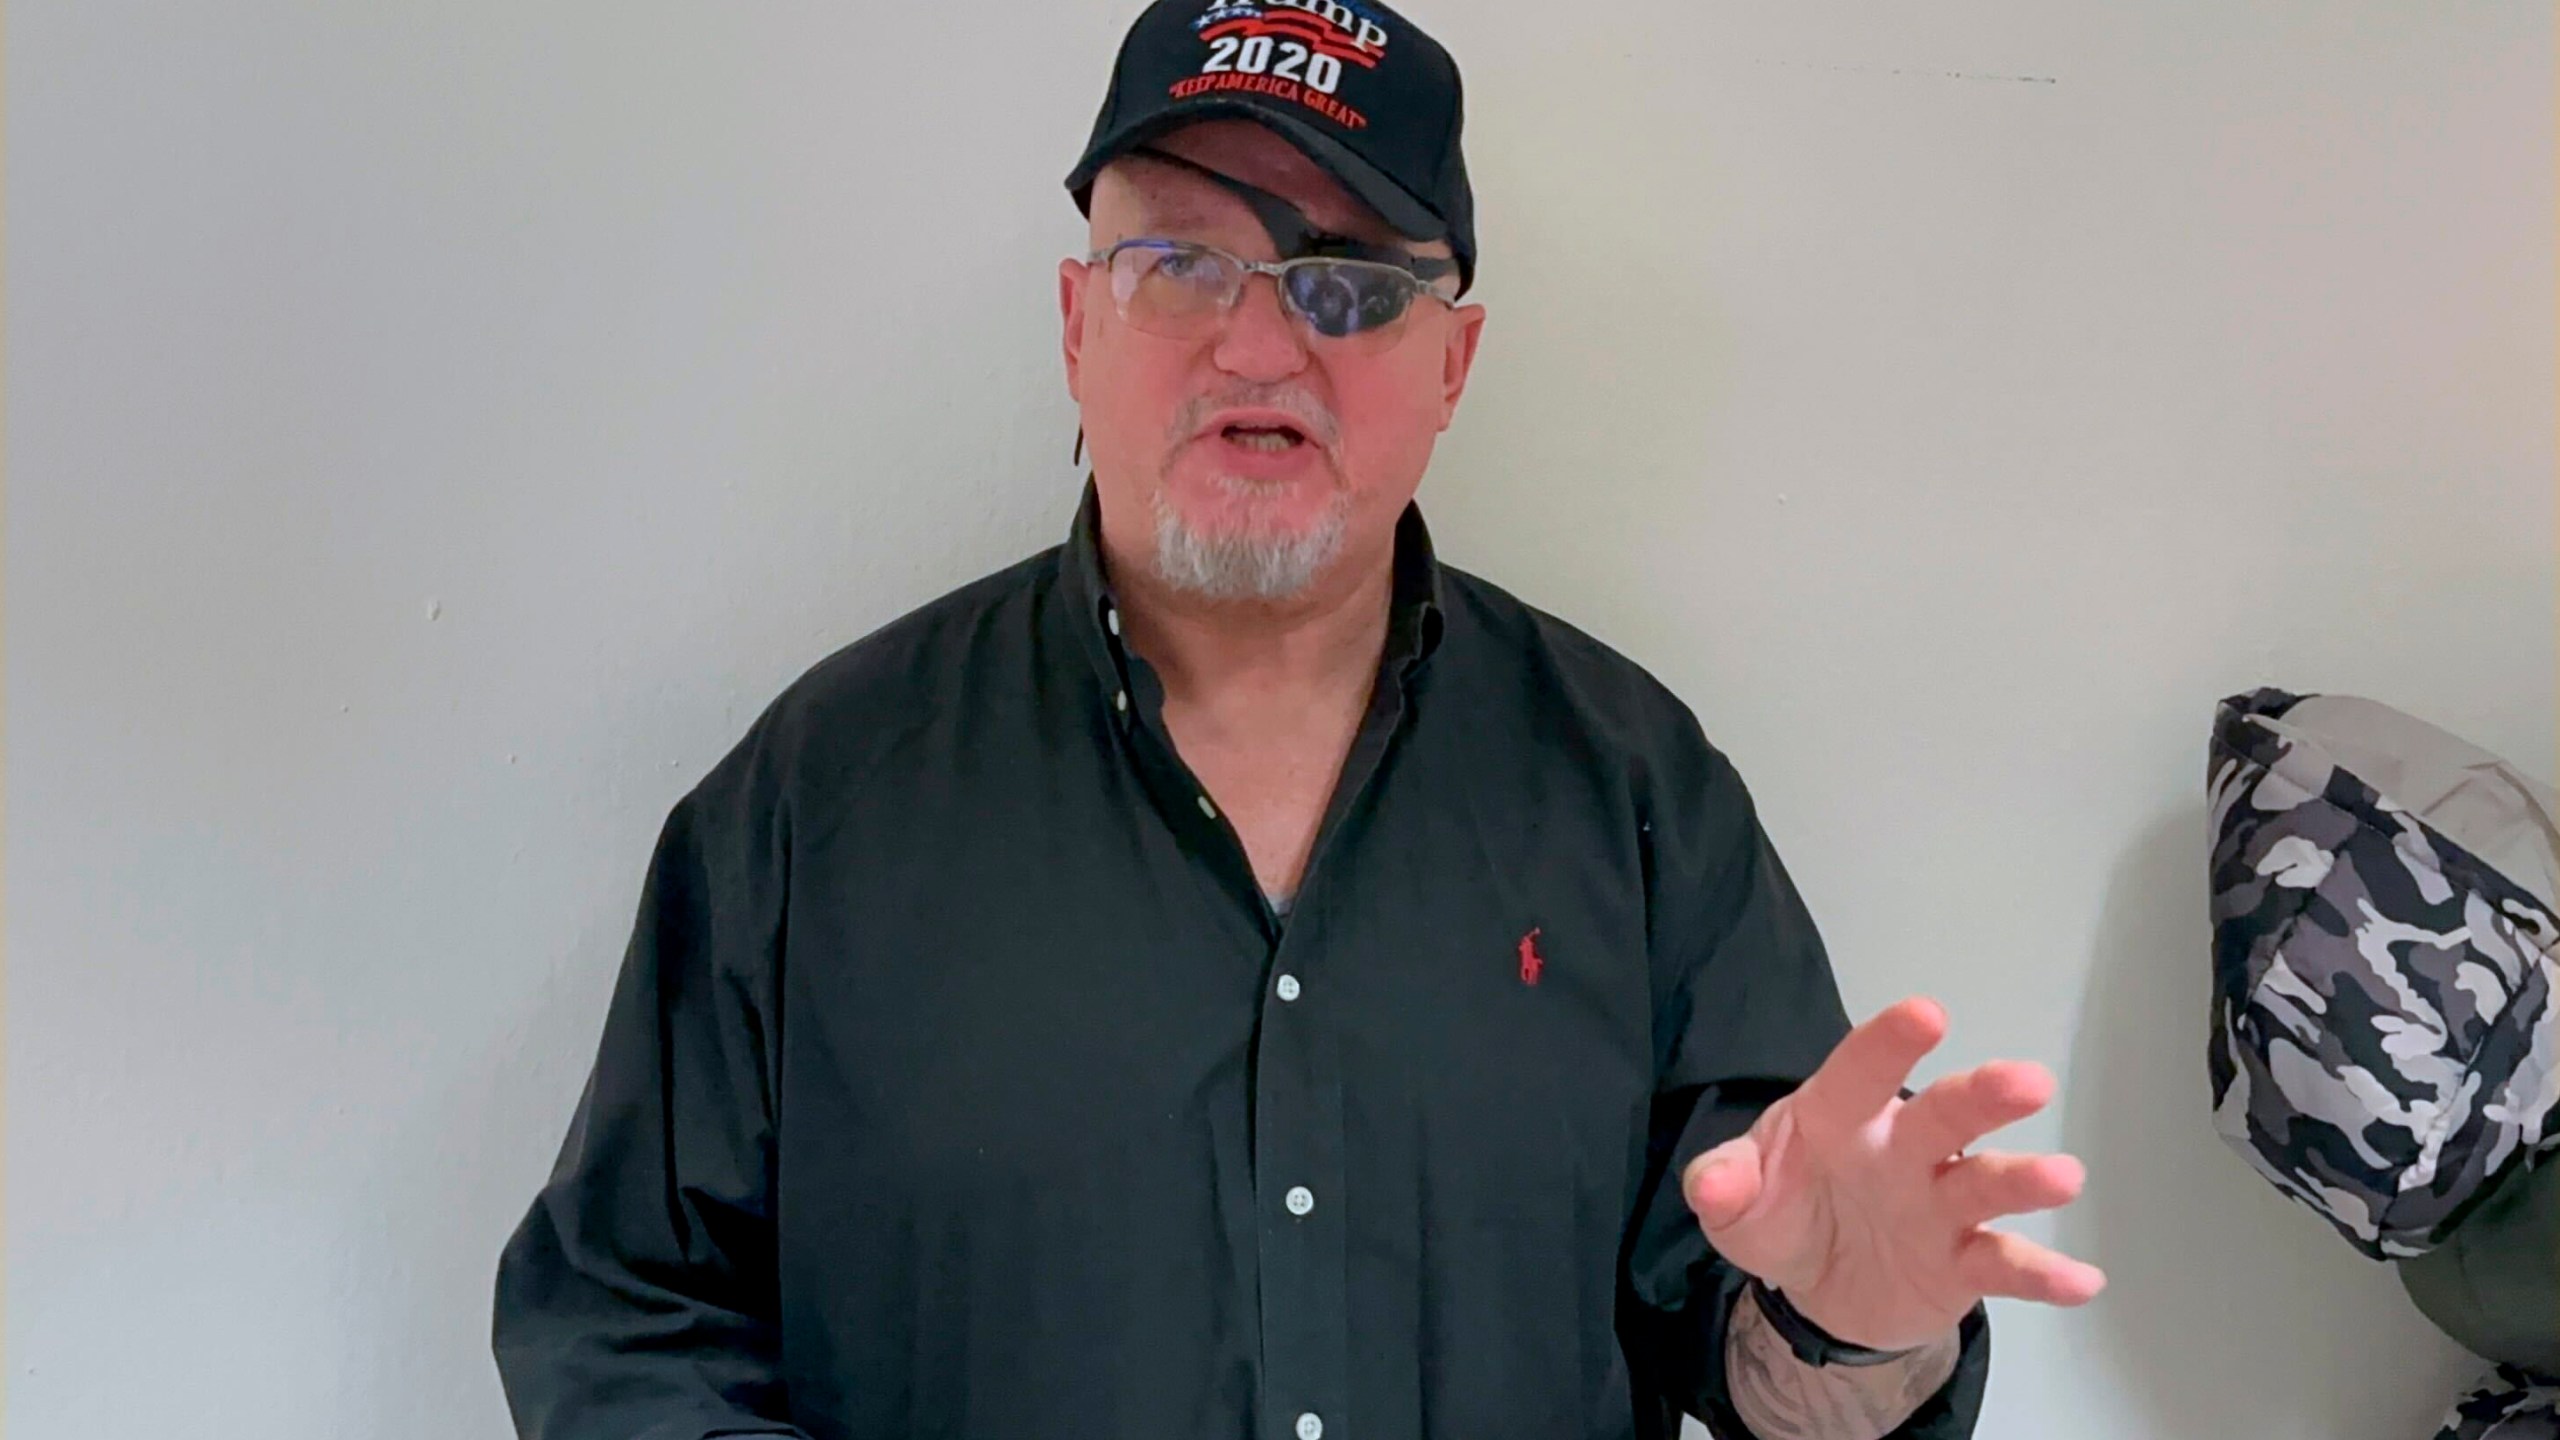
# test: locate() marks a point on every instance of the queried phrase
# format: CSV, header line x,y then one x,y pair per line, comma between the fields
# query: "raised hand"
x,y
1865,1209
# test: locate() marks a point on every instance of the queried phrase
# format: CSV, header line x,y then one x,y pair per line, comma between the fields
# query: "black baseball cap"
x,y
1356,86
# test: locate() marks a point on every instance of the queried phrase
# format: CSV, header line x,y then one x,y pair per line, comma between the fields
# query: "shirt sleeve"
x,y
1747,1009
637,1300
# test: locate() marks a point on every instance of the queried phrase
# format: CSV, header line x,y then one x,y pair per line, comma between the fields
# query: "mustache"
x,y
1312,415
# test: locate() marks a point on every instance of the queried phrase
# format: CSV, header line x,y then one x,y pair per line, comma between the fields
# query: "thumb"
x,y
1722,1183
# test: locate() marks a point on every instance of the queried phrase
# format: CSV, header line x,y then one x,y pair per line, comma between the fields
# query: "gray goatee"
x,y
1250,563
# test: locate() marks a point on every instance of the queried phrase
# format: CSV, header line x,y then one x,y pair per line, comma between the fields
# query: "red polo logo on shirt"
x,y
1532,964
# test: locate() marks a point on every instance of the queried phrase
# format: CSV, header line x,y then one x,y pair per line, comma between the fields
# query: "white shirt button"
x,y
1111,617
1309,1427
1300,1200
1288,987
1208,809
1120,702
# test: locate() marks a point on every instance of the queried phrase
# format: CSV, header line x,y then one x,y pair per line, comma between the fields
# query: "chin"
x,y
1247,539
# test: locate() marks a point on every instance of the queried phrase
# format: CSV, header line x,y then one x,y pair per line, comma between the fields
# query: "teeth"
x,y
1267,441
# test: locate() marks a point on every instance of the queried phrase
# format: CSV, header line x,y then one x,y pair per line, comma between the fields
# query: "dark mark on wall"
x,y
1923,74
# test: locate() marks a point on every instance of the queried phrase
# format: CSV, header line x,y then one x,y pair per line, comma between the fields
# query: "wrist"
x,y
1809,1341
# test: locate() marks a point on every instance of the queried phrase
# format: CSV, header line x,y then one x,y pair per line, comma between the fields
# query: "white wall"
x,y
435,427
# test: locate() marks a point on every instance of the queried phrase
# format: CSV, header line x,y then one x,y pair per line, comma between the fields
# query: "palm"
x,y
1856,1204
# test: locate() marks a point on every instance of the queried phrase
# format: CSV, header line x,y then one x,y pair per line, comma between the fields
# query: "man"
x,y
1232,975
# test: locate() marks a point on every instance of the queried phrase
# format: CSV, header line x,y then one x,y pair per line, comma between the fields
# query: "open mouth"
x,y
1265,439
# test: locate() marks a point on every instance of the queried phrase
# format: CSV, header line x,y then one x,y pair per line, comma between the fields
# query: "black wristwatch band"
x,y
1809,1341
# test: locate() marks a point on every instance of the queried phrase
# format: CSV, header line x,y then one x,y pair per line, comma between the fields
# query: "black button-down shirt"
x,y
961,1082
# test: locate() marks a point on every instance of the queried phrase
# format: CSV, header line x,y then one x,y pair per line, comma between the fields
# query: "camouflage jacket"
x,y
2511,1404
2384,928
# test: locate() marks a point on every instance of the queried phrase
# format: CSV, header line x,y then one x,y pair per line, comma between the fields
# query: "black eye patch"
x,y
1293,235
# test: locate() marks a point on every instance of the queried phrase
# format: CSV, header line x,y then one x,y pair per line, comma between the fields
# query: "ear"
x,y
1071,288
1458,358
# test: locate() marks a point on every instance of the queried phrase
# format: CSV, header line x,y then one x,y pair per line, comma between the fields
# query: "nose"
x,y
1259,341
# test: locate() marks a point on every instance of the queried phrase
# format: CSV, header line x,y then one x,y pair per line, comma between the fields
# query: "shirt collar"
x,y
1414,620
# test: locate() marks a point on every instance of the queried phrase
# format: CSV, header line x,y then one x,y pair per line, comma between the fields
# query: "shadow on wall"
x,y
2230,1311
462,1176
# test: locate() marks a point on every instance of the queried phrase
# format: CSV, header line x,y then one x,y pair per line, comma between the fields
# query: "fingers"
x,y
1721,1183
1983,1187
1995,1262
1960,1109
1866,1070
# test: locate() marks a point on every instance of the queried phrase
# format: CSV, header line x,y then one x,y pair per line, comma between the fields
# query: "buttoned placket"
x,y
1297,1121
